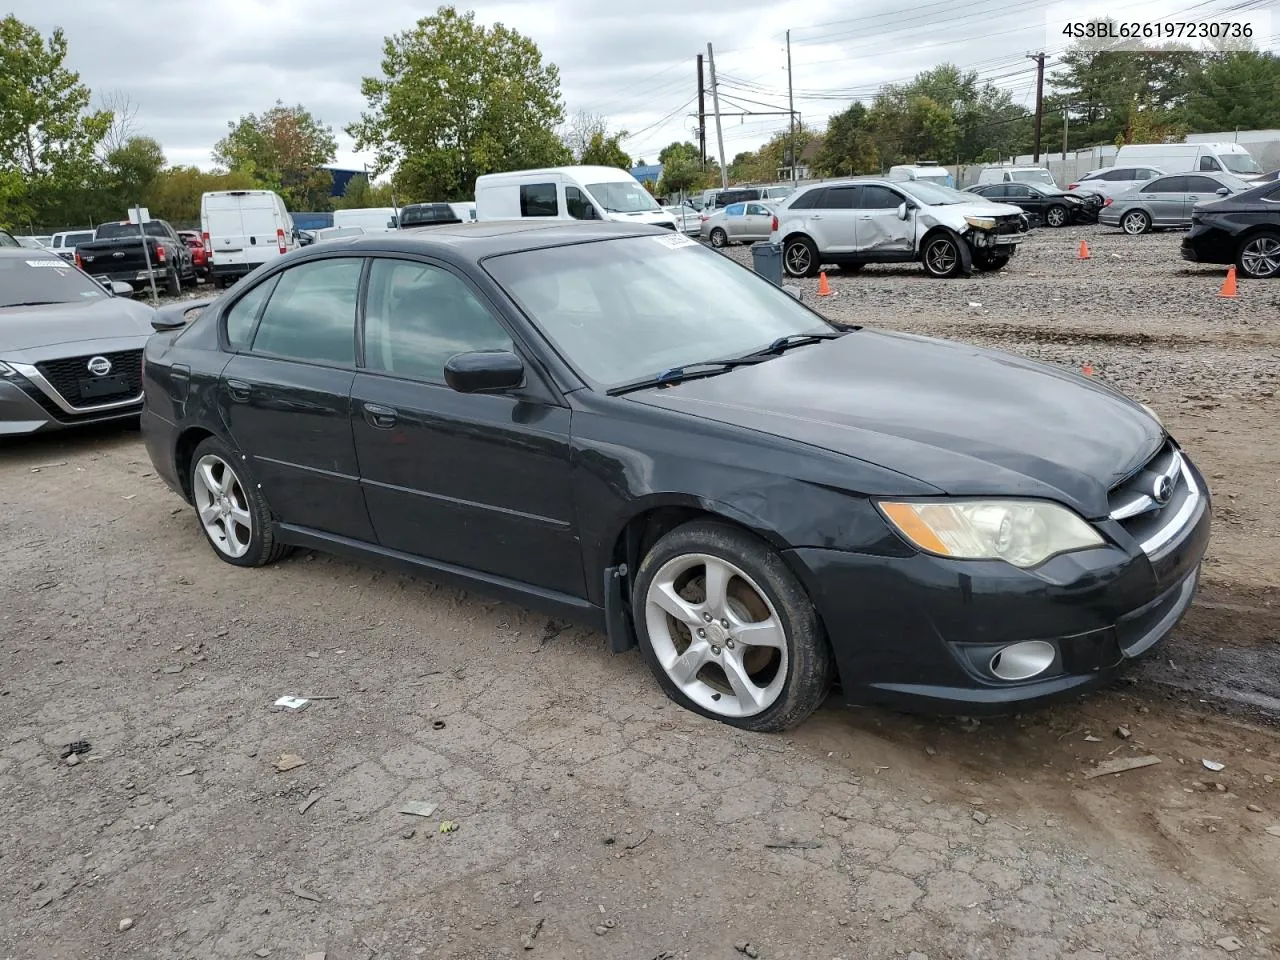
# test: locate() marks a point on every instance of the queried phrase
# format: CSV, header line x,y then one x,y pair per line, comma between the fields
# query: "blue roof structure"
x,y
651,172
341,178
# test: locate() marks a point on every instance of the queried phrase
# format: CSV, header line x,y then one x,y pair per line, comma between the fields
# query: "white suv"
x,y
851,223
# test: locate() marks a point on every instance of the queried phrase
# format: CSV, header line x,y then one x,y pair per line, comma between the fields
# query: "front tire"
x,y
1135,223
173,284
1259,256
727,629
800,258
942,257
1056,215
232,513
990,264
719,238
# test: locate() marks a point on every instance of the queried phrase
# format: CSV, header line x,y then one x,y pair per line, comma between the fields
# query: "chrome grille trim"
x,y
1179,520
45,387
1141,503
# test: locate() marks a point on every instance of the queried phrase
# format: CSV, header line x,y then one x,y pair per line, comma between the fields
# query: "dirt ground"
x,y
593,818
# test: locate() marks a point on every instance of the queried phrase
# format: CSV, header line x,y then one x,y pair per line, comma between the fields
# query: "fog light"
x,y
1022,661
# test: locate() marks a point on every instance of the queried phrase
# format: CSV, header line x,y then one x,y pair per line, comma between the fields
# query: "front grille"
x,y
65,374
1010,224
1154,503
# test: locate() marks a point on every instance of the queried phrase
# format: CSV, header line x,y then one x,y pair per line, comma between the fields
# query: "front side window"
x,y
809,200
417,316
539,200
1209,163
620,310
623,197
876,197
840,198
311,315
735,209
1202,185
576,202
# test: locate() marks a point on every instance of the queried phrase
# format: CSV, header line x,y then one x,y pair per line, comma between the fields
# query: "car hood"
x,y
32,329
965,420
981,208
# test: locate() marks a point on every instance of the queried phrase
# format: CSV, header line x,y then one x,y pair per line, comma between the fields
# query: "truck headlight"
x,y
1021,532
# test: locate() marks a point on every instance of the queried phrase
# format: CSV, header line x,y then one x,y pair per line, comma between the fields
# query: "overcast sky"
x,y
192,65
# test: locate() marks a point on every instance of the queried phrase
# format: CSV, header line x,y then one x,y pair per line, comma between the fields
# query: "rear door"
x,y
758,222
1165,198
833,224
286,395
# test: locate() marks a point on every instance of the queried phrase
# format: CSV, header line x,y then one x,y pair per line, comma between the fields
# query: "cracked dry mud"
x,y
582,798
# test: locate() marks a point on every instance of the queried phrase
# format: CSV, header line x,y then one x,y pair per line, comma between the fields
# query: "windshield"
x,y
933,194
623,197
1033,176
622,310
1239,163
6,239
113,231
46,279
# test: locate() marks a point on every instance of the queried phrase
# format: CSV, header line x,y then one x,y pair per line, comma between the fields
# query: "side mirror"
x,y
795,292
484,371
120,289
903,211
1222,192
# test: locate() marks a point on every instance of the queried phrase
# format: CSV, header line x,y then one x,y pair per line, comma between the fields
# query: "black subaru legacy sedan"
x,y
612,423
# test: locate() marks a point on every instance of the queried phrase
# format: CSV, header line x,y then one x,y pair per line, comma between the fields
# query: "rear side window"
x,y
539,200
311,314
809,200
1202,185
1167,185
244,312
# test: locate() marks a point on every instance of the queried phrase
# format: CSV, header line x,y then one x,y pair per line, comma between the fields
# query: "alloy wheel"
x,y
222,505
1135,223
1260,257
716,635
719,238
940,257
1056,216
799,261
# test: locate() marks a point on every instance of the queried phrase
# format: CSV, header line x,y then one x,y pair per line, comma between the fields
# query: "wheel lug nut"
x,y
715,650
702,633
729,644
706,617
725,624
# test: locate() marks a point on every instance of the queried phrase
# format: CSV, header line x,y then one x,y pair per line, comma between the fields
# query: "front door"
x,y
1199,190
878,231
478,481
285,398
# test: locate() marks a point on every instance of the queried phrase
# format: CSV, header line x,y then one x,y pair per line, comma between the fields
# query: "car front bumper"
x,y
919,632
133,276
25,409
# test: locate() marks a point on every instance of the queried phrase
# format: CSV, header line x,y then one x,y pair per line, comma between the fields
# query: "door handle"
x,y
816,216
384,418
239,390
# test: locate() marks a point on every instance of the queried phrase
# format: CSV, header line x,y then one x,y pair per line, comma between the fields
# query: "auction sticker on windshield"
x,y
676,240
57,264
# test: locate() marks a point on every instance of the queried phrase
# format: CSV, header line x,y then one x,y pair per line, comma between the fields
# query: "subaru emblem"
x,y
99,366
1162,490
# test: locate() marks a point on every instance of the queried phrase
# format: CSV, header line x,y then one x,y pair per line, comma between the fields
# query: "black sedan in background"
x,y
613,423
1243,229
1048,205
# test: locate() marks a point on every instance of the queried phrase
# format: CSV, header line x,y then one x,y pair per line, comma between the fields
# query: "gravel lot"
x,y
594,818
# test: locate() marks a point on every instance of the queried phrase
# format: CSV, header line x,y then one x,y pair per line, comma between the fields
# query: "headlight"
x,y
7,372
1154,416
981,223
1021,532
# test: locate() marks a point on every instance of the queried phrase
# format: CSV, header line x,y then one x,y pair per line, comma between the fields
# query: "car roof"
x,y
23,253
476,240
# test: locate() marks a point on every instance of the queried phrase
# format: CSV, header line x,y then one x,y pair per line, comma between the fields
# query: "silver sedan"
x,y
738,223
1167,201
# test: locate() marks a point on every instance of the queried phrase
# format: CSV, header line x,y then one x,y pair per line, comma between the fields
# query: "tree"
x,y
456,100
125,178
124,122
579,130
285,149
175,193
682,169
1236,91
359,193
849,145
47,131
605,151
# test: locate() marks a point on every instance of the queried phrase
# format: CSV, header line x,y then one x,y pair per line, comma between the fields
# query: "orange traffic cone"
x,y
1084,250
1087,369
1229,284
824,288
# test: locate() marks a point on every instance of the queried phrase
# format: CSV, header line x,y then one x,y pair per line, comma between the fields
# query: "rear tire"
x,y
232,514
1259,256
800,258
719,238
769,668
173,284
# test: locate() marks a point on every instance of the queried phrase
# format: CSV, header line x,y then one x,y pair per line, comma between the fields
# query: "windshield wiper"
x,y
690,371
796,340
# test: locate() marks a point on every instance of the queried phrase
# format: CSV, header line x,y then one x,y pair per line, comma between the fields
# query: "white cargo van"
x,y
926,170
568,193
243,229
373,219
1185,157
1007,173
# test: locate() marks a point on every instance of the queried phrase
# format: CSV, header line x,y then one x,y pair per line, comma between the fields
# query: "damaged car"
x,y
1047,205
850,223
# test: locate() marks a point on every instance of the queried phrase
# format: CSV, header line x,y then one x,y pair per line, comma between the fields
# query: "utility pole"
x,y
1039,59
1064,135
791,110
715,103
702,116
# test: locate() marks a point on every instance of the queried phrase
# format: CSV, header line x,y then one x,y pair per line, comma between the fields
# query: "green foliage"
x,y
1236,90
606,151
284,149
359,193
47,131
174,194
682,170
849,146
456,100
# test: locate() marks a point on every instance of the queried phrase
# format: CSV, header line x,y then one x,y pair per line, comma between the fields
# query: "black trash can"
x,y
766,260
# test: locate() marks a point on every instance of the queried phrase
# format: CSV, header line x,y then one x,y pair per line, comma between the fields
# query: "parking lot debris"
x,y
793,845
601,930
1123,733
1121,765
448,826
1274,831
437,724
980,817
748,949
527,940
1253,808
1087,369
304,894
72,761
419,808
308,803
125,924
537,897
1230,944
636,843
46,466
1090,738
186,771
314,956
262,952
1213,765
292,703
289,761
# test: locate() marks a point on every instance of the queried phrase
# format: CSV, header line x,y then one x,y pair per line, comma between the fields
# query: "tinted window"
x,y
755,210
1148,174
735,209
1202,185
6,239
1017,191
1118,175
577,204
1167,185
875,197
244,312
538,200
997,192
418,316
840,198
312,313
1209,163
809,200
420,214
113,231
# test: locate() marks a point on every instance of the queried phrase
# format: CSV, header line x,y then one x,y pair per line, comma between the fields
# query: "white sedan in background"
x,y
687,218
